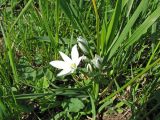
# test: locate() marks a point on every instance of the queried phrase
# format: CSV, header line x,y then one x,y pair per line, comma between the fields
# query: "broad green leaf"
x,y
73,105
45,82
3,110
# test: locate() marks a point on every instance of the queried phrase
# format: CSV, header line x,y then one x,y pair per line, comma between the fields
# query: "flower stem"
x,y
96,90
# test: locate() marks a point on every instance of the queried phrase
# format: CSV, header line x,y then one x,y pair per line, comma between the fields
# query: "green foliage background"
x,y
124,32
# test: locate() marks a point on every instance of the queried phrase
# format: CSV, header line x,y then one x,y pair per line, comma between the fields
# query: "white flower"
x,y
69,65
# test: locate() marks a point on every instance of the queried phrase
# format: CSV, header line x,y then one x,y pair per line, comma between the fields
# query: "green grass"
x,y
124,33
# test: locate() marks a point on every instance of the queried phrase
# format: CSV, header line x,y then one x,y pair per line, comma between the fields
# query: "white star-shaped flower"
x,y
69,65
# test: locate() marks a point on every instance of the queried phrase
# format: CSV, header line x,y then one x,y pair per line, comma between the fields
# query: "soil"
x,y
119,116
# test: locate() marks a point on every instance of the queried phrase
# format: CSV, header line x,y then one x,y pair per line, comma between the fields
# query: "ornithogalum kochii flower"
x,y
69,65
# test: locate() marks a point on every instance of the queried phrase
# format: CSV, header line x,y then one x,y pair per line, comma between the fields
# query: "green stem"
x,y
97,25
152,56
57,26
96,90
93,107
94,98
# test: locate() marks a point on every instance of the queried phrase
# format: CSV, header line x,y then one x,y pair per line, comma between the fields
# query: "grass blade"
x,y
143,28
128,83
115,45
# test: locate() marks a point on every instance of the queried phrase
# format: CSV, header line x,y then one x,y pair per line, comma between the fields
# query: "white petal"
x,y
64,72
65,57
74,53
59,64
79,60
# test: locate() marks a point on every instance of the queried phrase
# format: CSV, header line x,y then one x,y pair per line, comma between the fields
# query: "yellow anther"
x,y
73,66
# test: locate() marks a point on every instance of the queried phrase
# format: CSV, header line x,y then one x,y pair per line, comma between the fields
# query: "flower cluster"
x,y
69,65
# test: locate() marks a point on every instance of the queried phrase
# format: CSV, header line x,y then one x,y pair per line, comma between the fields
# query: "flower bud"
x,y
97,61
89,68
83,44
